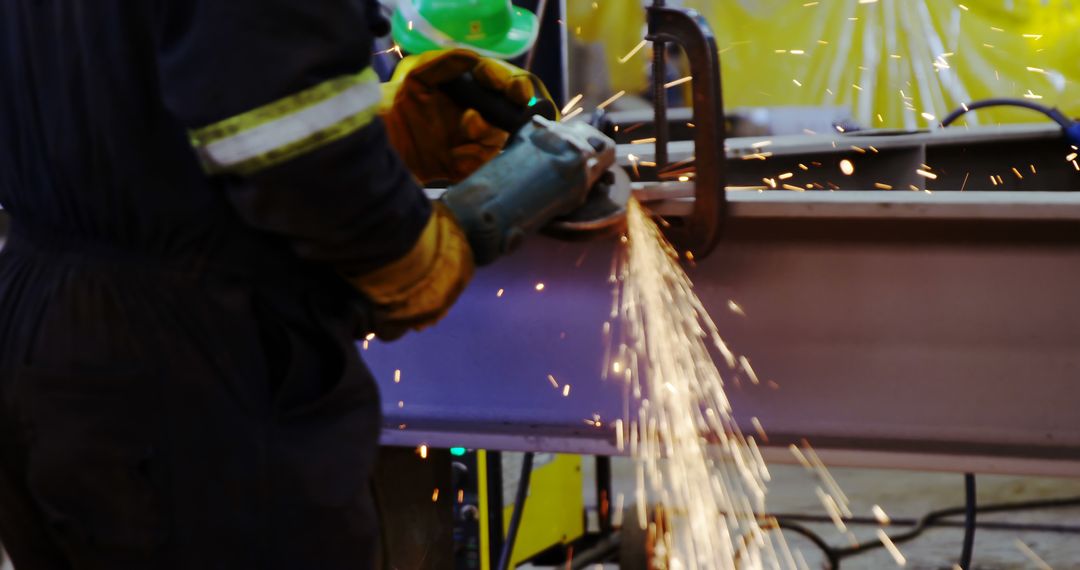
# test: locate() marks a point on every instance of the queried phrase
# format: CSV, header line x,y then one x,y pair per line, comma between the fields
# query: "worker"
x,y
202,193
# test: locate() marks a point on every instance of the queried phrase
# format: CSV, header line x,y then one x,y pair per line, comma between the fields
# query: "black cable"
x,y
519,507
1071,127
1054,114
904,522
835,555
606,549
830,553
970,509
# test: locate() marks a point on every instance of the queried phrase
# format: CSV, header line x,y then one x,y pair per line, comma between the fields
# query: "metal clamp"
x,y
700,231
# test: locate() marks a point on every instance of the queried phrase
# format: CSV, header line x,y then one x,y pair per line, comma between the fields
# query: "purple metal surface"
x,y
947,339
484,368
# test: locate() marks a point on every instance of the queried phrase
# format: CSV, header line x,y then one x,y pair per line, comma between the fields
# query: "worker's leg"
x,y
156,437
94,466
23,533
271,469
417,508
127,481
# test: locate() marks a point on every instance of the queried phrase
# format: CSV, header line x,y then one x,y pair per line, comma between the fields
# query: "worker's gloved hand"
x,y
417,290
438,139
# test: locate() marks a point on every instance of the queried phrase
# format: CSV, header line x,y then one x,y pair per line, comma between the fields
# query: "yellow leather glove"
x,y
437,139
418,290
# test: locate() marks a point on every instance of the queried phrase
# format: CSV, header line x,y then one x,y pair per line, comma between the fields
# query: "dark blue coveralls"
x,y
179,386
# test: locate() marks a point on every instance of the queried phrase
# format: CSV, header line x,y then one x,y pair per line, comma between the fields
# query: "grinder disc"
x,y
603,213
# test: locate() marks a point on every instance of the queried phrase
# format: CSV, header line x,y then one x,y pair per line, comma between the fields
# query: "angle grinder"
x,y
548,168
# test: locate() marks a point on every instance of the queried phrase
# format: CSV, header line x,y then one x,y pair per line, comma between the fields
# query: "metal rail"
x,y
903,329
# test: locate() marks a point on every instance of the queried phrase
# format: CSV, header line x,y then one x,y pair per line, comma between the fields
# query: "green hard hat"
x,y
492,28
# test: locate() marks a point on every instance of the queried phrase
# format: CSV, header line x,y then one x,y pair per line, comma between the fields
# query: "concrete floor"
x,y
910,495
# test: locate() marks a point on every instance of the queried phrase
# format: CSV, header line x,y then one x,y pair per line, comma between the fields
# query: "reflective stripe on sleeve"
x,y
284,129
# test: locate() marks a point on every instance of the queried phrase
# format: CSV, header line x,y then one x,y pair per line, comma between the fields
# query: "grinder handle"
x,y
496,109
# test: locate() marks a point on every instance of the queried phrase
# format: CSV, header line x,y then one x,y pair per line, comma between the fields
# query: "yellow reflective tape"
x,y
289,127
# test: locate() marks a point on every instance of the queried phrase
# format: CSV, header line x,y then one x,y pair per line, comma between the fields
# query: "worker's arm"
x,y
282,107
283,111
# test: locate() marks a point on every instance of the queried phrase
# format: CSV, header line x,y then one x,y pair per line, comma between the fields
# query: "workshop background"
x,y
887,62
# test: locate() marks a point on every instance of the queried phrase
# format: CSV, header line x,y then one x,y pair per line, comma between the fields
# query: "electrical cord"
x,y
834,555
1071,127
519,507
603,551
901,522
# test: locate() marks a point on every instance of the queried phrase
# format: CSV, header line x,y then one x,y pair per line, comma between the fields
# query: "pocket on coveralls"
x,y
94,462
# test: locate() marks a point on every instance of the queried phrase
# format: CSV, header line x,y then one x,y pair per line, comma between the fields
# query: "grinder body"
x,y
549,170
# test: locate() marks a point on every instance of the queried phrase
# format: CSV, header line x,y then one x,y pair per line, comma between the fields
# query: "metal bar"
x,y
659,78
541,10
669,197
938,340
875,204
739,147
1026,158
548,58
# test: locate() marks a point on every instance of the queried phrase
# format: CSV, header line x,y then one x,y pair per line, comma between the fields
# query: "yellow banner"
x,y
894,63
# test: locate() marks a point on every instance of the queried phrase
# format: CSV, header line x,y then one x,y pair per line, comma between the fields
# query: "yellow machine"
x,y
554,513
